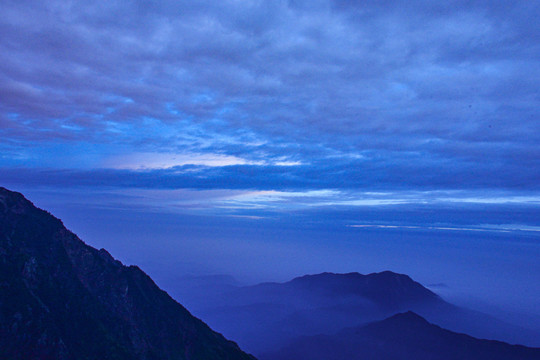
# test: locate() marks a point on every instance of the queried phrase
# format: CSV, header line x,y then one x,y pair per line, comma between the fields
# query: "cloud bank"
x,y
271,95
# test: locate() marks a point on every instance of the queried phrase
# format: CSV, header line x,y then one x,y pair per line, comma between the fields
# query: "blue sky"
x,y
342,115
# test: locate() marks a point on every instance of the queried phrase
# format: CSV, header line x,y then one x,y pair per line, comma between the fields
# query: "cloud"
x,y
410,172
417,94
168,160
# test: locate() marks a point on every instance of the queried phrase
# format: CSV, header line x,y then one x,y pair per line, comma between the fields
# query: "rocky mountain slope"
x,y
62,299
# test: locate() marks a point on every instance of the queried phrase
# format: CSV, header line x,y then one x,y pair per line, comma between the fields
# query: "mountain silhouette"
x,y
266,316
62,299
404,336
387,289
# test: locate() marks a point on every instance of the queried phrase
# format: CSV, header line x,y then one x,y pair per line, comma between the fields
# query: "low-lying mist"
x,y
496,272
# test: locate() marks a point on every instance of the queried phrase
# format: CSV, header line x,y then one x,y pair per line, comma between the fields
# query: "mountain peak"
x,y
13,201
387,274
390,274
407,317
402,336
387,287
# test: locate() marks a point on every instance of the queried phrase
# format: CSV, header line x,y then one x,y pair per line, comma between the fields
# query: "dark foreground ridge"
x,y
404,336
62,299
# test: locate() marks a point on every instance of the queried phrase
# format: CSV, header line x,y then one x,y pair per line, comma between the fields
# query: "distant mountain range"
x,y
405,336
62,299
268,316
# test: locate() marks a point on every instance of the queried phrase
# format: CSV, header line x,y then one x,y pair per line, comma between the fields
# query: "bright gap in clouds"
x,y
161,160
153,160
334,197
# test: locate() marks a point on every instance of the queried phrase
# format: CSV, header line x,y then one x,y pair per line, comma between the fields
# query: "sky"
x,y
272,138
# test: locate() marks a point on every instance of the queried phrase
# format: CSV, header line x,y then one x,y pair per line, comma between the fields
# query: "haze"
x,y
270,139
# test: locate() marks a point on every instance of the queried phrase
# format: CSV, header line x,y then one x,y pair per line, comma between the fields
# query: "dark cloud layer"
x,y
408,173
361,94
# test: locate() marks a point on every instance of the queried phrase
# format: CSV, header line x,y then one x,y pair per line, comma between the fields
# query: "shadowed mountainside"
x,y
62,299
405,336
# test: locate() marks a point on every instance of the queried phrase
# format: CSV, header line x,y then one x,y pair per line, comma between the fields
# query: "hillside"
x,y
62,299
404,336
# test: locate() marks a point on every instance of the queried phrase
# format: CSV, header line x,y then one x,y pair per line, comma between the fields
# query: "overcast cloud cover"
x,y
297,94
319,114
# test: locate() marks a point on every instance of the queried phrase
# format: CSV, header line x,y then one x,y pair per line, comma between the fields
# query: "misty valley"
x,y
62,299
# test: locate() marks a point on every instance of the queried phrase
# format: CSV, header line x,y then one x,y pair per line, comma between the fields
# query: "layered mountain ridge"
x,y
267,316
404,336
